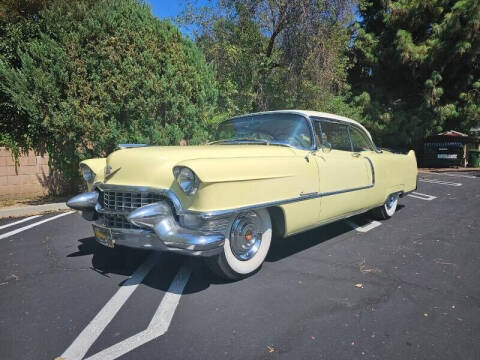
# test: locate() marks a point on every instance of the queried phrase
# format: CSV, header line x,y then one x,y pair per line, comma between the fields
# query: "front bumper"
x,y
154,227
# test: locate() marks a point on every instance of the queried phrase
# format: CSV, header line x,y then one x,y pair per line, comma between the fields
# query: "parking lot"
x,y
405,288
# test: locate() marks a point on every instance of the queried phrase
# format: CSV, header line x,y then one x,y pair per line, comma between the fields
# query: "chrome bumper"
x,y
156,228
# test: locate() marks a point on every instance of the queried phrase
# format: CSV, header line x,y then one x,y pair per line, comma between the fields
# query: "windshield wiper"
x,y
240,141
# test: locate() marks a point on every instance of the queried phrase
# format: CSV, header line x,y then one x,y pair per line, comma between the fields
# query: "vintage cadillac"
x,y
274,173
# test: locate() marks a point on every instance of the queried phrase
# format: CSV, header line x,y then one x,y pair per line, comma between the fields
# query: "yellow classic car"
x,y
269,174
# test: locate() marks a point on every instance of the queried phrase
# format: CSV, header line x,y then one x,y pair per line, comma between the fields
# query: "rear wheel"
x,y
247,242
387,210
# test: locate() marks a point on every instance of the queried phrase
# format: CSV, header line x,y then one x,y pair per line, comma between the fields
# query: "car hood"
x,y
180,153
153,165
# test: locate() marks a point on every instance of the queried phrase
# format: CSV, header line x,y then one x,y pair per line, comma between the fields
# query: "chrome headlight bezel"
x,y
87,173
186,179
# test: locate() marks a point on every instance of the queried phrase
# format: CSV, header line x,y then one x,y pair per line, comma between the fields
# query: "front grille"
x,y
120,203
116,221
127,201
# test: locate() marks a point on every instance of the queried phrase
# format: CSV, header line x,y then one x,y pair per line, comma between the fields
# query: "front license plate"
x,y
104,236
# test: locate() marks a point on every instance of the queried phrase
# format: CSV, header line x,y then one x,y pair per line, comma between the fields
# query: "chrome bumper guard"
x,y
157,229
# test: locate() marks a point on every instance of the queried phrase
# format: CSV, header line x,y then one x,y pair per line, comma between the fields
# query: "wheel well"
x,y
278,221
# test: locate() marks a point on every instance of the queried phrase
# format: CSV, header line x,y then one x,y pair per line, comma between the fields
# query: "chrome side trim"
x,y
372,169
303,197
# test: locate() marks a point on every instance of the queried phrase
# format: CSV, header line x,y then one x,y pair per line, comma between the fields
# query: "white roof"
x,y
313,113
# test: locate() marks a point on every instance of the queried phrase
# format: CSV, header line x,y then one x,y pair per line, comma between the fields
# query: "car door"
x,y
364,147
343,173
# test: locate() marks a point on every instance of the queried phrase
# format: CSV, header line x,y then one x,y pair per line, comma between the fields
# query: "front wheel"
x,y
247,242
387,210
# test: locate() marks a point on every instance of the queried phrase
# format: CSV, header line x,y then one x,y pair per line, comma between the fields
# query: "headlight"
x,y
87,173
186,179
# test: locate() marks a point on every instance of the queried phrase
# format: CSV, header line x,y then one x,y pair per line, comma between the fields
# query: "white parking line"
x,y
16,231
19,221
363,229
83,342
160,322
421,196
434,181
450,174
460,175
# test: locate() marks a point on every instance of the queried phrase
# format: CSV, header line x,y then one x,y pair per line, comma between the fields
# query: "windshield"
x,y
278,129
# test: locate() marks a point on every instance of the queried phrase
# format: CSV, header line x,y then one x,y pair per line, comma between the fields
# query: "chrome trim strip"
x,y
372,169
209,214
304,197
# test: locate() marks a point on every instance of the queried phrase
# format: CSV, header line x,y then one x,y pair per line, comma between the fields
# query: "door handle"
x,y
356,154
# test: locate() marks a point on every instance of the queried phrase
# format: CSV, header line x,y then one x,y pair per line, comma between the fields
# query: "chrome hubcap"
x,y
391,201
245,236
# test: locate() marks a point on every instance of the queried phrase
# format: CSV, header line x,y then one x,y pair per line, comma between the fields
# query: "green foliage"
x,y
99,73
418,62
277,54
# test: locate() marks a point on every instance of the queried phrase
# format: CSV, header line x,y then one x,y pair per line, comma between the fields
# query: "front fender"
x,y
242,169
241,182
98,167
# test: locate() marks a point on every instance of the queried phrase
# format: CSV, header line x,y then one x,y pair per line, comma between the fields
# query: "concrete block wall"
x,y
28,179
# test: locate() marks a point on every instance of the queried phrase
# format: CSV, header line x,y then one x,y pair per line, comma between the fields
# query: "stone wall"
x,y
30,178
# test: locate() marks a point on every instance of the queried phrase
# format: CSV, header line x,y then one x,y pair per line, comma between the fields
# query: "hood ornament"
x,y
109,172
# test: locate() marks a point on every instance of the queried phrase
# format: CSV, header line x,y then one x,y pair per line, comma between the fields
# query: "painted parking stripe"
x,y
19,230
363,229
435,181
458,175
449,174
19,221
421,196
83,342
158,325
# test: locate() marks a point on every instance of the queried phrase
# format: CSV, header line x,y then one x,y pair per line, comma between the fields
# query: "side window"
x,y
336,135
360,140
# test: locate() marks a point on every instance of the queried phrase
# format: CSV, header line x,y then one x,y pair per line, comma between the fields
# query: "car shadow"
x,y
284,247
124,261
105,261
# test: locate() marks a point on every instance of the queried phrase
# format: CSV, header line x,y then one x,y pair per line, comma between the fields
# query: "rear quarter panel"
x,y
395,172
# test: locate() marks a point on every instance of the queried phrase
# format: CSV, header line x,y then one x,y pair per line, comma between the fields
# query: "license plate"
x,y
104,236
447,156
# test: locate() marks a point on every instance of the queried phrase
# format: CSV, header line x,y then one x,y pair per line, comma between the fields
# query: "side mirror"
x,y
326,147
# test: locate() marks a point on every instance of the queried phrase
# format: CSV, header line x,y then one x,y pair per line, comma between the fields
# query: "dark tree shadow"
x,y
56,184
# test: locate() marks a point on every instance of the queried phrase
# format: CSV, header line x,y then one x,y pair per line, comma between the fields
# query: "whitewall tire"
x,y
387,210
247,242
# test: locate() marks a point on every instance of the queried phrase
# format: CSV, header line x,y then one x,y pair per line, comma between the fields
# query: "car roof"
x,y
309,113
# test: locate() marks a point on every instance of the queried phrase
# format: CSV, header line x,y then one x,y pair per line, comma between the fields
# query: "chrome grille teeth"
x,y
125,202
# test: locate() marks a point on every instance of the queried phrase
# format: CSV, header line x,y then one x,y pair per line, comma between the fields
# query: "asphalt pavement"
x,y
405,288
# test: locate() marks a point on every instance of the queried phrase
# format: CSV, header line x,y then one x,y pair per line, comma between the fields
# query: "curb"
x,y
32,210
440,170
